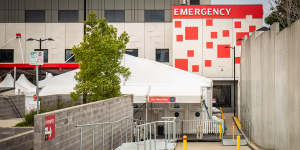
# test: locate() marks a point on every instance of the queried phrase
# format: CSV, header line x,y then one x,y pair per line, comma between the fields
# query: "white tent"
x,y
24,86
148,78
44,82
8,82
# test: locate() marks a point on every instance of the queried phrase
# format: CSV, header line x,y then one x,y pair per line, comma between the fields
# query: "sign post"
x,y
37,58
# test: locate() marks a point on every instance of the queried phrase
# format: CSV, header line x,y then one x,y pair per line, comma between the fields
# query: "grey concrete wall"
x,y
270,88
53,102
23,139
67,136
7,109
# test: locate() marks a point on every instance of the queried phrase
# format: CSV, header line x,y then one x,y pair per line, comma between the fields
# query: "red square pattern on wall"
x,y
177,24
209,22
223,52
179,38
237,24
240,35
252,28
191,33
237,60
195,68
207,63
190,53
182,64
214,35
209,44
225,33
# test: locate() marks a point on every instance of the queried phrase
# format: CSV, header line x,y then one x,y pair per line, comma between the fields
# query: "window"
x,y
34,16
114,15
45,54
69,58
132,52
154,15
6,55
194,2
68,16
162,55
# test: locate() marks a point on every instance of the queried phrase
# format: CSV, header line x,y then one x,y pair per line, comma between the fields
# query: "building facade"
x,y
157,30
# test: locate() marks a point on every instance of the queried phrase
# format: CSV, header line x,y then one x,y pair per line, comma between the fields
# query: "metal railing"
x,y
148,133
109,134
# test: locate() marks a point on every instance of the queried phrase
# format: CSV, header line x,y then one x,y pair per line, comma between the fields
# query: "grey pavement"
x,y
208,146
10,122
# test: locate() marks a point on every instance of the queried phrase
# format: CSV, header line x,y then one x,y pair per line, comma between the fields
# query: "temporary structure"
x,y
24,86
8,82
148,79
44,82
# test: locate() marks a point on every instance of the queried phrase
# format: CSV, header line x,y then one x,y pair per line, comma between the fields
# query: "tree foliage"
x,y
285,12
99,56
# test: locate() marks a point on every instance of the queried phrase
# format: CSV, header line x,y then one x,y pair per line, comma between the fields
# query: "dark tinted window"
x,y
34,16
114,15
162,55
194,2
133,52
68,16
45,54
69,58
6,55
154,15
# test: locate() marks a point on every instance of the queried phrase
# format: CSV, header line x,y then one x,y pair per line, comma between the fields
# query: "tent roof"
x,y
162,79
44,82
24,85
8,81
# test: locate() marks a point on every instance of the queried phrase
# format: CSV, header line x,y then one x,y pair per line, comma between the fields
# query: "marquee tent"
x,y
24,86
8,82
148,78
44,82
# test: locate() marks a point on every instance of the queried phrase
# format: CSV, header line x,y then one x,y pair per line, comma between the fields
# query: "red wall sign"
x,y
158,99
216,11
49,127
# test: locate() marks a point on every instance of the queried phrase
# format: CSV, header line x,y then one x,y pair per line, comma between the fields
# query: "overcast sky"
x,y
266,3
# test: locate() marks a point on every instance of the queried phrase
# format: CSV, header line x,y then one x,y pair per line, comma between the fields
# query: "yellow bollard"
x,y
233,131
184,142
221,110
238,141
220,136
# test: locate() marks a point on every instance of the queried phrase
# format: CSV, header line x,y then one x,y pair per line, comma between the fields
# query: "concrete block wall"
x,y
53,102
67,136
22,138
270,87
6,106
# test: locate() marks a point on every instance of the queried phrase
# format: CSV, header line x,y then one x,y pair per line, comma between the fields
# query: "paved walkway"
x,y
10,122
208,146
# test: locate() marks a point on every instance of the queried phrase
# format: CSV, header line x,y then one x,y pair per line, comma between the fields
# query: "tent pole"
x,y
15,76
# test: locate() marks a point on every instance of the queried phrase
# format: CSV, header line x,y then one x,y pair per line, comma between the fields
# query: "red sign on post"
x,y
49,127
157,99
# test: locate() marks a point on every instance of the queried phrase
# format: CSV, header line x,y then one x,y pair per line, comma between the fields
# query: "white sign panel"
x,y
36,58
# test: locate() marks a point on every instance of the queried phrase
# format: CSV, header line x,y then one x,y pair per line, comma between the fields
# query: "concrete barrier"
x,y
270,88
67,136
16,138
12,106
54,102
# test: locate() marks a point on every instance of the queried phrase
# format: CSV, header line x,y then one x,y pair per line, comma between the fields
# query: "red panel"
x,y
179,38
209,22
225,33
177,24
207,63
190,53
27,66
214,35
237,24
182,64
195,68
209,44
223,52
223,11
252,28
191,33
237,60
240,35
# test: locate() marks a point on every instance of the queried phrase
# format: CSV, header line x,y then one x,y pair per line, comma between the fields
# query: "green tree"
x,y
285,12
99,56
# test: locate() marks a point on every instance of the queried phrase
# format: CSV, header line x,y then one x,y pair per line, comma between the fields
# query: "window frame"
x,y
10,61
60,12
133,49
109,11
148,14
73,58
27,20
156,55
44,54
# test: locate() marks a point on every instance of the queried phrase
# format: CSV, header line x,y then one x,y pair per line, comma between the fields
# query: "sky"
x,y
267,4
